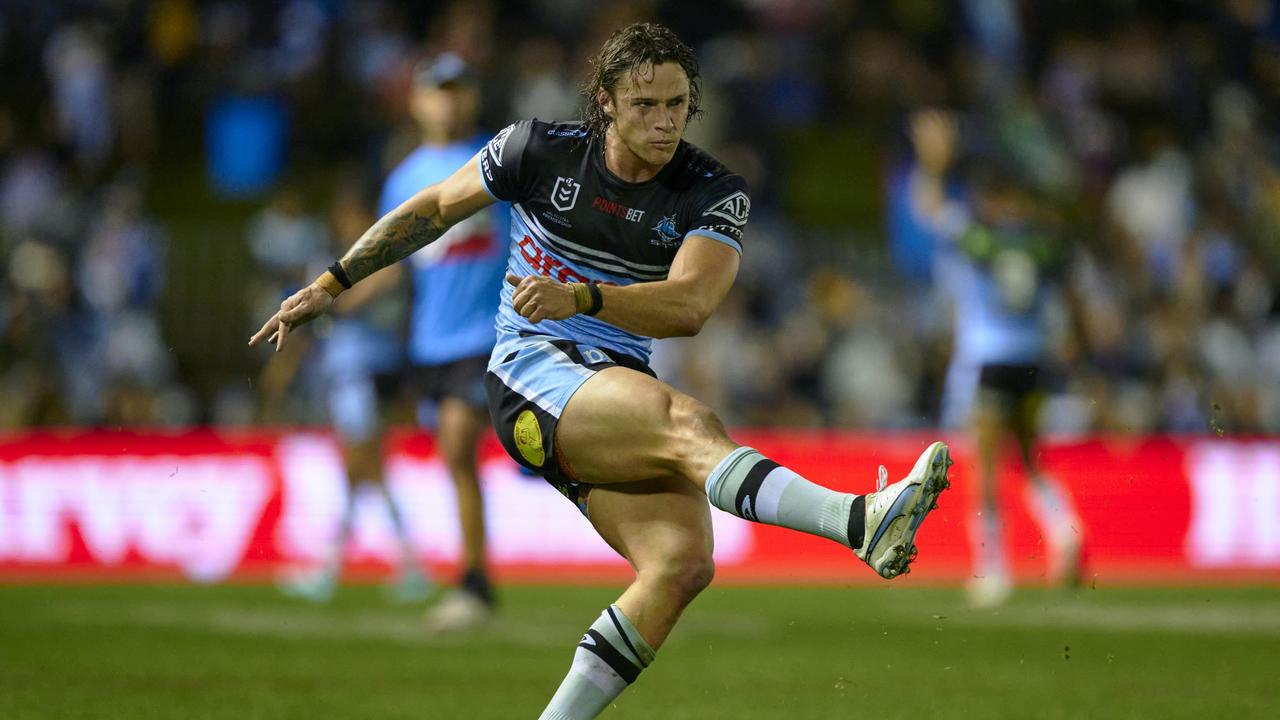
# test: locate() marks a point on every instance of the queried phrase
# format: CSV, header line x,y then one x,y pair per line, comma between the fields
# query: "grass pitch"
x,y
889,651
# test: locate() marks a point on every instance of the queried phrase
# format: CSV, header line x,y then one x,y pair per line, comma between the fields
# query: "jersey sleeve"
x,y
502,161
723,211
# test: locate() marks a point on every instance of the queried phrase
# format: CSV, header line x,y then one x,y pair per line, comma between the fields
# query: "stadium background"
x,y
169,169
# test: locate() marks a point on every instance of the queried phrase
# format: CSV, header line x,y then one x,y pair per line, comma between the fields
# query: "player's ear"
x,y
605,100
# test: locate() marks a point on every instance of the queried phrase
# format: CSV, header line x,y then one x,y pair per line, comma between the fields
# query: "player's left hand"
x,y
541,298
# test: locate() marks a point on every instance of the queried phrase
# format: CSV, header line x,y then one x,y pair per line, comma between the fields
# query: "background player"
x,y
359,360
451,333
1001,266
634,206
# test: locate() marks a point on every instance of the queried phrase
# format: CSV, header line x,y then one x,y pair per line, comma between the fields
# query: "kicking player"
x,y
623,232
451,331
1000,268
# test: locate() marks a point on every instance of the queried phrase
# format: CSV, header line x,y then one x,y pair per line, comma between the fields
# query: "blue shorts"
x,y
529,382
354,357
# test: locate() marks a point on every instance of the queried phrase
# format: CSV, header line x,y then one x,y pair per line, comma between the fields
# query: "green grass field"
x,y
240,652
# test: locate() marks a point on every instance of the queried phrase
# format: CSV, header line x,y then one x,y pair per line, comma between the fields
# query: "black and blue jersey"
x,y
574,221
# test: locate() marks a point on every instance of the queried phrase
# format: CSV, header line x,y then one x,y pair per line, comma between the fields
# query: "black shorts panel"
x,y
462,379
1010,383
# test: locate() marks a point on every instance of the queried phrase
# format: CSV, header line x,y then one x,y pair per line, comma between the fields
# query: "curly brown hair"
x,y
630,50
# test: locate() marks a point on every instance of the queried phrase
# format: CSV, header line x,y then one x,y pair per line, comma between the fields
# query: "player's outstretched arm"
x,y
700,276
416,223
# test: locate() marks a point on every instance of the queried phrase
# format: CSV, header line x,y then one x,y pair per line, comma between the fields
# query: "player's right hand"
x,y
298,309
540,298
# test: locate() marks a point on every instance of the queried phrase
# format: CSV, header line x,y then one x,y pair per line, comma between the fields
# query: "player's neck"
x,y
625,164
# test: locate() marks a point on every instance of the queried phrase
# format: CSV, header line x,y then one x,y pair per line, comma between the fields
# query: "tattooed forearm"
x,y
390,240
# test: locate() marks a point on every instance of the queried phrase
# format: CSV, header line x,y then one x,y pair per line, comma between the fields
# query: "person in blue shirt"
x,y
451,321
1002,267
358,363
450,335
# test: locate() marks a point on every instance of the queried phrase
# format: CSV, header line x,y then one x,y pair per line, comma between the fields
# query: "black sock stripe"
x,y
751,485
858,522
614,617
612,657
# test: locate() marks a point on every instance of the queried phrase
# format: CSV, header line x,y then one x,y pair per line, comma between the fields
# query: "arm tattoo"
x,y
390,240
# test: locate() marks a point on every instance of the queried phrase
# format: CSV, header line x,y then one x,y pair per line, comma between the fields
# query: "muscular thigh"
x,y
625,426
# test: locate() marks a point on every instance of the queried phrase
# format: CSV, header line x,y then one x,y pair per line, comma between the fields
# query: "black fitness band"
x,y
336,270
597,299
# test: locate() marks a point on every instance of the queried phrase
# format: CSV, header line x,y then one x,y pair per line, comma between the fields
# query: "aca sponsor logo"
x,y
734,208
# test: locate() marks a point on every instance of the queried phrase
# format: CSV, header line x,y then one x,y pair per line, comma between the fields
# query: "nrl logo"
x,y
565,193
734,208
668,236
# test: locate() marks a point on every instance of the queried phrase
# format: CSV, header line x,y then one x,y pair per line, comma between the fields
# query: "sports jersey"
x,y
574,221
455,278
1000,280
1002,298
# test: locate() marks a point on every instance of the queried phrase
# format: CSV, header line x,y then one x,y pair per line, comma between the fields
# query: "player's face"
x,y
449,110
649,109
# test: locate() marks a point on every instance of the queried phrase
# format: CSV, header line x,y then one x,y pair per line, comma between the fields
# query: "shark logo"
x,y
668,236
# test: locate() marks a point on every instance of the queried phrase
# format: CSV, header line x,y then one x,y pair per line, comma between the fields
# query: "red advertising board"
x,y
212,505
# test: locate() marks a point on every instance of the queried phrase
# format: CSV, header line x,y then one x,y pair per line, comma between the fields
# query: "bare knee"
x,y
699,440
458,435
681,577
460,459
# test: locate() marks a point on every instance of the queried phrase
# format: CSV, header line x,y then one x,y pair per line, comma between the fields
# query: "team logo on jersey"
x,y
528,438
668,236
498,142
734,208
565,193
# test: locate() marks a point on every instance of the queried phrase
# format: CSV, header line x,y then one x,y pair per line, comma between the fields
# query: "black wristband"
x,y
597,299
336,270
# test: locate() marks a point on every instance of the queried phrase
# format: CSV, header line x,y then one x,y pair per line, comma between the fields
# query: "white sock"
x,y
753,487
338,548
1051,507
988,544
408,554
609,658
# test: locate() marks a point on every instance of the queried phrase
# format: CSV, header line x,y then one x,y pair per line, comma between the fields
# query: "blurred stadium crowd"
x,y
169,169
